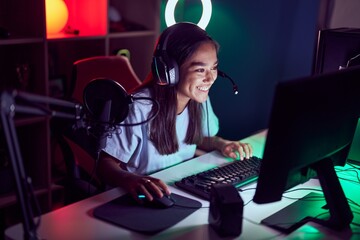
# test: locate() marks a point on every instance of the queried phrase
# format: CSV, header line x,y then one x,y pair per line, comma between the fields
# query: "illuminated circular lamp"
x,y
56,15
205,17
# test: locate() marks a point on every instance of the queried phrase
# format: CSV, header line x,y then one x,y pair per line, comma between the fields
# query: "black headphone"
x,y
164,68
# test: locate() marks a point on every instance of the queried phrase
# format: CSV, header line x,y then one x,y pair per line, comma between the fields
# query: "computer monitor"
x,y
310,130
339,48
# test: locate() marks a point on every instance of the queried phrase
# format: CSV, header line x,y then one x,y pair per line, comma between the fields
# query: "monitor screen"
x,y
311,127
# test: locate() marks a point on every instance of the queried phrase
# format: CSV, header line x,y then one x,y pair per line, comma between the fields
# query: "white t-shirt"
x,y
132,146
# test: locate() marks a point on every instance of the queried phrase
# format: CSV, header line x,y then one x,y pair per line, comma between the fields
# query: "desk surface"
x,y
76,221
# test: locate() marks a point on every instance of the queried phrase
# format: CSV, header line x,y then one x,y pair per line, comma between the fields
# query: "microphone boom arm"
x,y
224,75
26,103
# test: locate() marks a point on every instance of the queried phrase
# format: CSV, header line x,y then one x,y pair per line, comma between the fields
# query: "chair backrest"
x,y
77,145
117,68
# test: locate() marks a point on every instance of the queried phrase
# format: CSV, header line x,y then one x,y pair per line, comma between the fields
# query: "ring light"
x,y
205,17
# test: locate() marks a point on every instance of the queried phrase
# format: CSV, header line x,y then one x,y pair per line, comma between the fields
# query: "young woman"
x,y
184,68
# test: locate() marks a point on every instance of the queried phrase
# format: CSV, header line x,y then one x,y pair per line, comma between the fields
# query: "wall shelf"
x,y
30,59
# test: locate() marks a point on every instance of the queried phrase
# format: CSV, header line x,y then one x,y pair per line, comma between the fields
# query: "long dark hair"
x,y
184,40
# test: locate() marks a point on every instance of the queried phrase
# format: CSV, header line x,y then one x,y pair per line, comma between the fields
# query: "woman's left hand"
x,y
237,150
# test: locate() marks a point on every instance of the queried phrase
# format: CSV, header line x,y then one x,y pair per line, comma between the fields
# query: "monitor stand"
x,y
296,214
354,154
333,211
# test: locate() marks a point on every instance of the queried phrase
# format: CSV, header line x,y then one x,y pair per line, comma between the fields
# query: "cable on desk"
x,y
304,189
354,169
353,202
354,166
355,223
188,207
349,180
246,189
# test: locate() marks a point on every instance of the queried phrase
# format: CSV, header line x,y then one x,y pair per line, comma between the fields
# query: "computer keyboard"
x,y
237,173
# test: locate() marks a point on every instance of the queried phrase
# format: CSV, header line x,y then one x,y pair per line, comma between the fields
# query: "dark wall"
x,y
262,42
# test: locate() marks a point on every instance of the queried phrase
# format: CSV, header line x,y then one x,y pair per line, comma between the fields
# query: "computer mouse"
x,y
159,202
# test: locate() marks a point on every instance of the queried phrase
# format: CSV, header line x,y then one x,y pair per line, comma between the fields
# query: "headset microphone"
x,y
224,75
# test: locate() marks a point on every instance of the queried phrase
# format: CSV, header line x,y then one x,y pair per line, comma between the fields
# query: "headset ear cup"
x,y
172,71
165,70
158,70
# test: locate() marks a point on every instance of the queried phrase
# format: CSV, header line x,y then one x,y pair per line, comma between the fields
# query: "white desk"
x,y
76,221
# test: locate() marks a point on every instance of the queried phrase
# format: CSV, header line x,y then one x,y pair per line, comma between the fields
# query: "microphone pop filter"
x,y
99,92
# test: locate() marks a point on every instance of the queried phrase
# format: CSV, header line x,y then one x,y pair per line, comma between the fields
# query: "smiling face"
x,y
197,74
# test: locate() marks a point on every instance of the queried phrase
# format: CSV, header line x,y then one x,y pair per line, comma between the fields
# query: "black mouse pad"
x,y
125,212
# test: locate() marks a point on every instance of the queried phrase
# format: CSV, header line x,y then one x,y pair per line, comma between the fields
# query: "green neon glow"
x,y
205,17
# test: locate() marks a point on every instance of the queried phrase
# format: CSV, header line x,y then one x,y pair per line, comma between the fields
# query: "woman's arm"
x,y
112,172
233,149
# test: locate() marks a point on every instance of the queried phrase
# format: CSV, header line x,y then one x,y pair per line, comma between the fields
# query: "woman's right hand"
x,y
113,173
149,186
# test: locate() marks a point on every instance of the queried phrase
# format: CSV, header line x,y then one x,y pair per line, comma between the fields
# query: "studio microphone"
x,y
224,75
103,93
102,127
107,105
